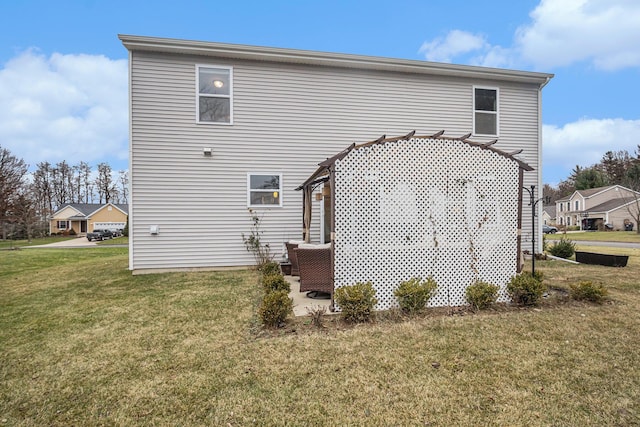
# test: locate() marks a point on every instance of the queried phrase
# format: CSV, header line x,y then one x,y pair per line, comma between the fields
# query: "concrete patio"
x,y
300,299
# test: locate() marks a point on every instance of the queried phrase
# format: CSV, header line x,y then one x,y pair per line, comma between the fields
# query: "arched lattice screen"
x,y
425,207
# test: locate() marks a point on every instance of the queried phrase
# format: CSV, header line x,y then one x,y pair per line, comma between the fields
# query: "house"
x,y
591,209
217,129
83,217
389,222
549,215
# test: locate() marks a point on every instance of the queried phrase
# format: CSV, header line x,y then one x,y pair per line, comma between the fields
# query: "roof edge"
x,y
260,53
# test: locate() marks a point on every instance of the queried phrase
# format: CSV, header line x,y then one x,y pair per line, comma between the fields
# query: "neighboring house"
x,y
593,208
216,129
84,217
549,215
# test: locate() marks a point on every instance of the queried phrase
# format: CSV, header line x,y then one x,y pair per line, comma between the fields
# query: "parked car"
x,y
100,234
549,229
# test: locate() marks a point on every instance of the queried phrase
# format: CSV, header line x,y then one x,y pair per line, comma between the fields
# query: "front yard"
x,y
83,342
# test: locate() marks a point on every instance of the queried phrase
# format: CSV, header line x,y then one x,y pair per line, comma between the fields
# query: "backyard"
x,y
83,342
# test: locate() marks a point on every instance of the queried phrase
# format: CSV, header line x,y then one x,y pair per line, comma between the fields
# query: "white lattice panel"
x,y
425,207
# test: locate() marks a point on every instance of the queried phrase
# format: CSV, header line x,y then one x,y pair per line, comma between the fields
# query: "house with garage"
x,y
610,207
219,129
80,218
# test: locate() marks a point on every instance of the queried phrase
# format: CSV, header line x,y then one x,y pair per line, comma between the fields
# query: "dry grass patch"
x,y
178,349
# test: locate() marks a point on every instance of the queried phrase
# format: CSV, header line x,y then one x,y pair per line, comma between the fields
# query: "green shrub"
x,y
588,291
356,301
269,268
275,282
525,289
413,294
274,308
563,248
481,295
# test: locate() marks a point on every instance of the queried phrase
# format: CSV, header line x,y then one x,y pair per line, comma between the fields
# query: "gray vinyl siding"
x,y
286,119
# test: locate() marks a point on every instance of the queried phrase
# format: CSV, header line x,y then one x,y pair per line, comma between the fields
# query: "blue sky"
x,y
63,75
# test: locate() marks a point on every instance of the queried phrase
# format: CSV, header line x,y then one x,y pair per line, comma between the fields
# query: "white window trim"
x,y
249,205
66,224
497,112
230,96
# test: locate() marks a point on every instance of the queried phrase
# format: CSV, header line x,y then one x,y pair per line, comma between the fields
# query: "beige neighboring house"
x,y
593,208
83,217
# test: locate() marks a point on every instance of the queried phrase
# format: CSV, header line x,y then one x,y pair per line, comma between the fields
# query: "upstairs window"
x,y
485,111
214,103
577,205
264,189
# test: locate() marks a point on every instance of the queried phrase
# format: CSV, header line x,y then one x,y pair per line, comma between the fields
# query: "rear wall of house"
x,y
286,119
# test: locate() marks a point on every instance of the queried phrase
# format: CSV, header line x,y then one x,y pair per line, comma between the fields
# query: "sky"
x,y
63,70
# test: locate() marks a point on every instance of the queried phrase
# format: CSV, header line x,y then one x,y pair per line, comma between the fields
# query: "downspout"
x,y
540,183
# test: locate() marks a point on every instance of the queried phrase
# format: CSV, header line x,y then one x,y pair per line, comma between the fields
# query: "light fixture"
x,y
218,83
275,194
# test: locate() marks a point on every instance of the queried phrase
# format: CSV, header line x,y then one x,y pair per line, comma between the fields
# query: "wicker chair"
x,y
314,265
293,259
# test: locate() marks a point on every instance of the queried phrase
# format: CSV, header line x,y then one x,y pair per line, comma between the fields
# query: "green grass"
x,y
8,244
599,236
83,342
115,241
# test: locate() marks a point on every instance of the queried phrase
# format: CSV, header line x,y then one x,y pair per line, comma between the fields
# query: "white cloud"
x,y
64,107
583,143
456,42
563,32
605,33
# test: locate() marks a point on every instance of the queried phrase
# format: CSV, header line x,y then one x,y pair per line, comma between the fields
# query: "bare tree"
x,y
12,174
123,179
104,183
42,188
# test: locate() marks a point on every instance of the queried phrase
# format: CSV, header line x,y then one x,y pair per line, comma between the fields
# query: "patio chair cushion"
x,y
315,245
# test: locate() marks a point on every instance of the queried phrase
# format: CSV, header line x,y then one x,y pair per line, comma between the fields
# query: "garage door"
x,y
109,225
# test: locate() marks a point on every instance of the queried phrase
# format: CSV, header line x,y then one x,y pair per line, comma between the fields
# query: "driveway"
x,y
78,242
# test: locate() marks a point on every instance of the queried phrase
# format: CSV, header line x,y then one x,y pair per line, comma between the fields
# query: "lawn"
x,y
9,244
598,236
83,342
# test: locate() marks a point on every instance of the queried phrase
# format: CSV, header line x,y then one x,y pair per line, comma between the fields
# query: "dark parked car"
x,y
100,234
549,229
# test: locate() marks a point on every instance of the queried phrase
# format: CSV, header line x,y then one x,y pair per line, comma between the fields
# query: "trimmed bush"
x,y
275,282
274,308
525,289
588,291
563,248
269,268
481,295
413,294
356,301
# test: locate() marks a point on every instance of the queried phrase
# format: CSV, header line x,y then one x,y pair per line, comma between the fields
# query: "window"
x,y
264,189
485,111
214,94
568,206
577,205
561,204
62,225
568,220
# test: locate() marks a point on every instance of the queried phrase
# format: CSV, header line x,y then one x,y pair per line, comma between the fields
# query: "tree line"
x,y
615,167
27,200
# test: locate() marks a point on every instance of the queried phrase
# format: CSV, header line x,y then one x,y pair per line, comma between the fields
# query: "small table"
x,y
285,266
